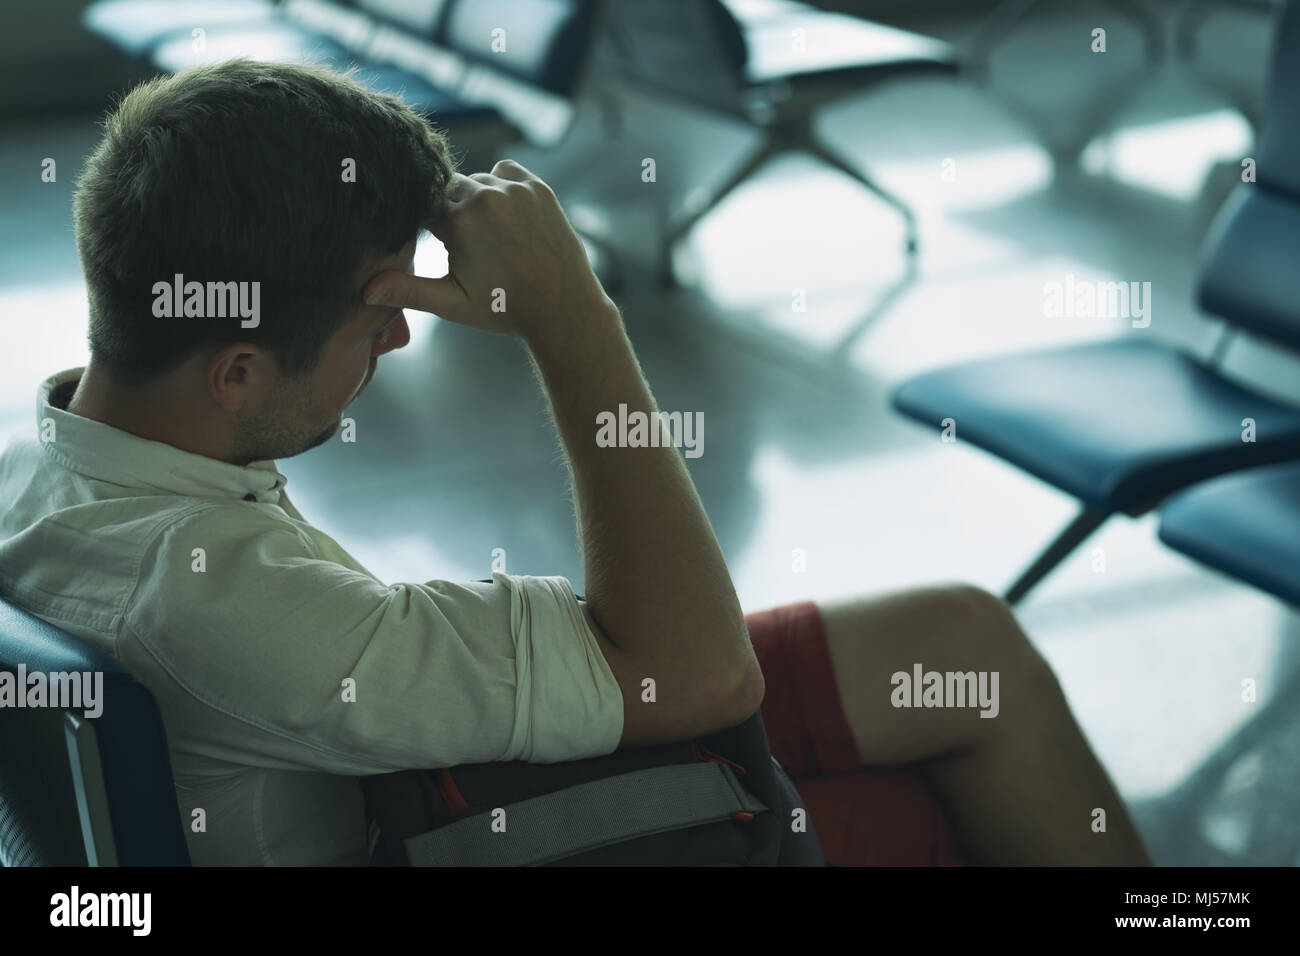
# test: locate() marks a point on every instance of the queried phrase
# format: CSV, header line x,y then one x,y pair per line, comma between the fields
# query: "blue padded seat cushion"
x,y
1118,424
837,45
1245,524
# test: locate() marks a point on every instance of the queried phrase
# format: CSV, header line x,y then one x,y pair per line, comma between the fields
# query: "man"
x,y
247,233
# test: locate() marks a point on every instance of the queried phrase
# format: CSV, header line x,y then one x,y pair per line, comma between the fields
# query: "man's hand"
x,y
514,262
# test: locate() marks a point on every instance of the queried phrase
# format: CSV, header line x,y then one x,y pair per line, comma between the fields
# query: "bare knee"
x,y
948,628
1001,643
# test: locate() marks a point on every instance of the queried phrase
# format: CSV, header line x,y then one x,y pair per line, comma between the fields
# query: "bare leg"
x,y
1020,788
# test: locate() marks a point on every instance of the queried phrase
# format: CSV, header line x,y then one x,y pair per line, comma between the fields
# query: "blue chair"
x,y
737,59
79,791
546,56
426,52
1124,424
1246,525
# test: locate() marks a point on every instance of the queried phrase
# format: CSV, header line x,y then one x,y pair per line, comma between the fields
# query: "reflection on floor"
x,y
455,457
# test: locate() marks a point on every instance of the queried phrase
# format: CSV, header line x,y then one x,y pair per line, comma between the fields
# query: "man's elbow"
x,y
747,698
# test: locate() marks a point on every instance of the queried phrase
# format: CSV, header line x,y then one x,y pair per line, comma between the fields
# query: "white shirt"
x,y
249,626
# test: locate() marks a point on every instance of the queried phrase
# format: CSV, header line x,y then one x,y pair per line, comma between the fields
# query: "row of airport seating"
x,y
1132,425
1088,122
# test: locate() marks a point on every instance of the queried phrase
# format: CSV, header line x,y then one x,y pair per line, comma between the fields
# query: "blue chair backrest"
x,y
1279,142
78,790
421,17
543,42
1250,265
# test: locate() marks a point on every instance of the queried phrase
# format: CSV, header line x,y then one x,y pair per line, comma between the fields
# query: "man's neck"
x,y
143,412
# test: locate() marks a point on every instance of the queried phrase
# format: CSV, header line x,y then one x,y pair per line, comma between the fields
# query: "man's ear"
x,y
239,374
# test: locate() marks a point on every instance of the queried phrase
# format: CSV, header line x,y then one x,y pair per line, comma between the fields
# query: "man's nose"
x,y
399,335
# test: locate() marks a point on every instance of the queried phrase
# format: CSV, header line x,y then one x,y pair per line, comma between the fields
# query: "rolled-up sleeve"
x,y
263,648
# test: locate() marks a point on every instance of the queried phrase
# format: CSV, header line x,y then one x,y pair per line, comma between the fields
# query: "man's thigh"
x,y
829,670
967,636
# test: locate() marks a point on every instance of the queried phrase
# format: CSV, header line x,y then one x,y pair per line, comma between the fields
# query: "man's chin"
x,y
324,436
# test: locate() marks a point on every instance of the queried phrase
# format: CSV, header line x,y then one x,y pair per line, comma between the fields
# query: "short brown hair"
x,y
235,172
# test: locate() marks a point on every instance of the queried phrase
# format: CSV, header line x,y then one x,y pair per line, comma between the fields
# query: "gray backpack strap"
x,y
588,816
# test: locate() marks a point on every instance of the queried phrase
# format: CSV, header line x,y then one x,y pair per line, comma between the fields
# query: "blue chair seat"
x,y
1120,424
837,46
443,107
1246,525
272,42
136,26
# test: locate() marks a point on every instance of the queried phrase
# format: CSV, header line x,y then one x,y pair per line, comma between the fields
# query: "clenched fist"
x,y
514,262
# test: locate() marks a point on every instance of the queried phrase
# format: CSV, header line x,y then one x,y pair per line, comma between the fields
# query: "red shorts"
x,y
863,816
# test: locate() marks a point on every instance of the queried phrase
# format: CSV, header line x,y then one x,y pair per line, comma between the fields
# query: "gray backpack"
x,y
720,800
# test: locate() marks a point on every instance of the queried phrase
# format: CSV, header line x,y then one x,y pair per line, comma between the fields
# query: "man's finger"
x,y
459,185
403,290
509,169
460,189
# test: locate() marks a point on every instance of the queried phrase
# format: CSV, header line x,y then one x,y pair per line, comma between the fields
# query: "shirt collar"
x,y
105,453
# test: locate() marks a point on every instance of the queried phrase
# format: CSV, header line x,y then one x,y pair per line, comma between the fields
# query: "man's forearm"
x,y
655,577
656,582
